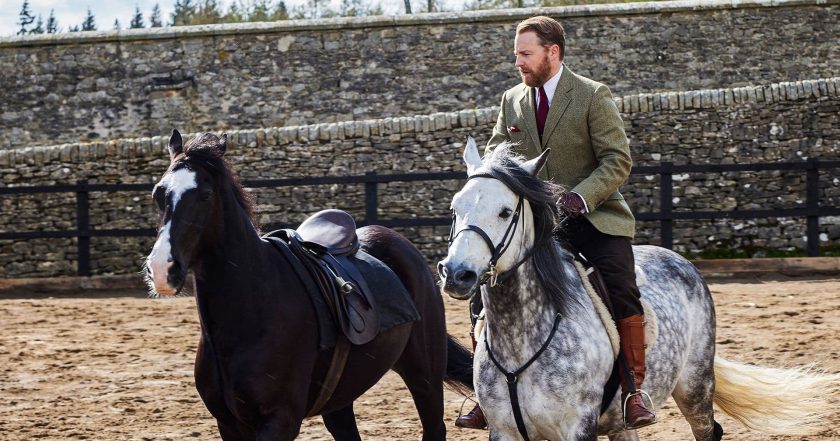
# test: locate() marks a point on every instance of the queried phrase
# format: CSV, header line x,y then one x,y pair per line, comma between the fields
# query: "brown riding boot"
x,y
474,419
635,402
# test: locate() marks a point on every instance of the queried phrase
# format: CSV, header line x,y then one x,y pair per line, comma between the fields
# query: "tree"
x,y
183,13
117,25
26,18
408,6
280,12
137,20
52,23
155,20
90,23
209,12
39,27
73,29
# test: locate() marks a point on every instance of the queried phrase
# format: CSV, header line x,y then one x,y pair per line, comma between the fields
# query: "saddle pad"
x,y
607,320
392,300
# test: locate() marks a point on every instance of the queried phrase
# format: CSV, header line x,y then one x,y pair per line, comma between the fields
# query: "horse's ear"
x,y
471,156
223,143
535,165
176,144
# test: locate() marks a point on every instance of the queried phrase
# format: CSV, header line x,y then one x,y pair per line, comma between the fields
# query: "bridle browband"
x,y
492,276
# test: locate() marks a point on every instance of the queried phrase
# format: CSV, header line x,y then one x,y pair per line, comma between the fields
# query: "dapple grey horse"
x,y
503,222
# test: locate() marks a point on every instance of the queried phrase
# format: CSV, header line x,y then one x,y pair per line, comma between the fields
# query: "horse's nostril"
x,y
442,270
465,277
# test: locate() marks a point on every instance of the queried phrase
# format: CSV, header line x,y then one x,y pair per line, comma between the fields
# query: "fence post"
x,y
83,228
666,203
812,202
371,199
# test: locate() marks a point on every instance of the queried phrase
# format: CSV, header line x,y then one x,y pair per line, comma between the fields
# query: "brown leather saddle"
x,y
322,245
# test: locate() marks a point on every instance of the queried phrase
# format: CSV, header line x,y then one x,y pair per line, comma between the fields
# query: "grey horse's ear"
x,y
535,165
223,143
176,144
471,156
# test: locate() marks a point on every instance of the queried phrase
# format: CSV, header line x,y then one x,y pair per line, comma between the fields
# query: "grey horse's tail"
x,y
779,401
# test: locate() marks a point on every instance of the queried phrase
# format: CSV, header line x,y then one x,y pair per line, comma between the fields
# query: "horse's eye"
x,y
506,212
159,195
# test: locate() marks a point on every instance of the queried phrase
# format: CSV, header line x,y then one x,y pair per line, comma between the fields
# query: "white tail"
x,y
778,401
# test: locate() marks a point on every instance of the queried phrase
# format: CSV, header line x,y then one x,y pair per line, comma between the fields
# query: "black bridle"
x,y
492,276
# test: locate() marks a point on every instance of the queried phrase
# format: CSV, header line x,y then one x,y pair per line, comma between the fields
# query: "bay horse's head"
x,y
497,217
190,198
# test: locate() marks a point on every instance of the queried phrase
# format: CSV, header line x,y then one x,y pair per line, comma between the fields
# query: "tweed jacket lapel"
x,y
526,108
559,104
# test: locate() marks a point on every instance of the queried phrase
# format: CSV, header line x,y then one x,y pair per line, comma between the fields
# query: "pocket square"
x,y
513,129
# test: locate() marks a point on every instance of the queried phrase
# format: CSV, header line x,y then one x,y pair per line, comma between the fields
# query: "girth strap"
x,y
513,378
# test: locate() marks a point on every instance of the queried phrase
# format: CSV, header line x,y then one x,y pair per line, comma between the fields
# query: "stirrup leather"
x,y
624,408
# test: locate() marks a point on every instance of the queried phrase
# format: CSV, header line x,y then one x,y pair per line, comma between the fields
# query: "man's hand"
x,y
571,204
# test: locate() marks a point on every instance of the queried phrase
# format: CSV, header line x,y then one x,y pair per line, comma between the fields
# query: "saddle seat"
x,y
335,230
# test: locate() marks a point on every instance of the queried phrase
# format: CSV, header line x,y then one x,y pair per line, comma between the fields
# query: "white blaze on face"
x,y
160,259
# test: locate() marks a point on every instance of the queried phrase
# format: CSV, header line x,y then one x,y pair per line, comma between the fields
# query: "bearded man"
x,y
590,157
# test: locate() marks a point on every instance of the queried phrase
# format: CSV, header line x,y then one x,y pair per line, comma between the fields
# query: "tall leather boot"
x,y
473,419
635,402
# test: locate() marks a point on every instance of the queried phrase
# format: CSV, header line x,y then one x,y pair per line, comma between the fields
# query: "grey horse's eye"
x,y
506,212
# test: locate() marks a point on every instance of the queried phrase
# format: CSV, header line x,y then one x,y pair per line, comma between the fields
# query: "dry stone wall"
x,y
74,87
789,121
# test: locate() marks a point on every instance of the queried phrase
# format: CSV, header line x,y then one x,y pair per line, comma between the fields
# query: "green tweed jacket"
x,y
590,153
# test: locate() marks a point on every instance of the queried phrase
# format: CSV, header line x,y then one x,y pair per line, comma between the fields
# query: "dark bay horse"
x,y
258,367
542,326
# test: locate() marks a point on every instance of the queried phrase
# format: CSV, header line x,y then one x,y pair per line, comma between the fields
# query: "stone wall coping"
x,y
340,23
639,103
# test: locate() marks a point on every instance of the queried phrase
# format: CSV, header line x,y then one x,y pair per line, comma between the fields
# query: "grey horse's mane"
x,y
549,258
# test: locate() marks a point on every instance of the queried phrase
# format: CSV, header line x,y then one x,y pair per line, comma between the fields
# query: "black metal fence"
x,y
666,216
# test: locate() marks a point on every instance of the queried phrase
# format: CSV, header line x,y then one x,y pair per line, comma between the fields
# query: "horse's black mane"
x,y
548,256
205,150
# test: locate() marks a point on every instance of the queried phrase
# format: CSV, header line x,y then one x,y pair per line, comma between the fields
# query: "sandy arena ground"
x,y
120,368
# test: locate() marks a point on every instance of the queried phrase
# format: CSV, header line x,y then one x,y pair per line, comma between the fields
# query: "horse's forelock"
x,y
205,151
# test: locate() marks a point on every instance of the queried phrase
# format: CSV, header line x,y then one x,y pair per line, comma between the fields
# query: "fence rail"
x,y
666,215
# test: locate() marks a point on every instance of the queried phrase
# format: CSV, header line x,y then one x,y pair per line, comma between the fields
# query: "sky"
x,y
70,13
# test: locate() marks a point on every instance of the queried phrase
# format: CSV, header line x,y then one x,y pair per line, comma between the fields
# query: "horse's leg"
x,y
694,395
422,369
426,387
342,424
627,435
279,427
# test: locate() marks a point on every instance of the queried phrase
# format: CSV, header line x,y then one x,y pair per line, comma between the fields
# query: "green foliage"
x,y
89,24
25,18
52,23
39,27
753,252
137,19
154,20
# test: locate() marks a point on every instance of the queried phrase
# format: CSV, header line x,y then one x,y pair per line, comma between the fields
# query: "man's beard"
x,y
538,77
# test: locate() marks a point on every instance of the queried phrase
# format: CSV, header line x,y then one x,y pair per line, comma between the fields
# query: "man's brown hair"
x,y
549,30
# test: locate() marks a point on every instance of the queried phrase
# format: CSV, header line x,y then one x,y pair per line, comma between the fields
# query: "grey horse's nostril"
x,y
442,270
465,277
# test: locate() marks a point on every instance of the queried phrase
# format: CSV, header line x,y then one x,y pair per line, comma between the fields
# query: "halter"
x,y
496,251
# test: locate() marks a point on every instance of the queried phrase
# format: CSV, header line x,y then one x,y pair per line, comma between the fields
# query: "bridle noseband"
x,y
496,251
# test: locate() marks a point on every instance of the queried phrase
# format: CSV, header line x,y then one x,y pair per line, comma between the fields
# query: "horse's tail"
x,y
459,367
771,400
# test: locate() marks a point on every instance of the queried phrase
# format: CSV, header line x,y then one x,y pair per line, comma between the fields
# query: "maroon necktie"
x,y
542,110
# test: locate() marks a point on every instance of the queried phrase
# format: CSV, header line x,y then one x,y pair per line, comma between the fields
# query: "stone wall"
x,y
768,123
73,87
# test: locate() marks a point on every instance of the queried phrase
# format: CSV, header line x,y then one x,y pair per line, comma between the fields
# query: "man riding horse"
x,y
578,120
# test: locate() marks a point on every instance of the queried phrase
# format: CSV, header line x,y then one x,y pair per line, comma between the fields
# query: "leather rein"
x,y
492,278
